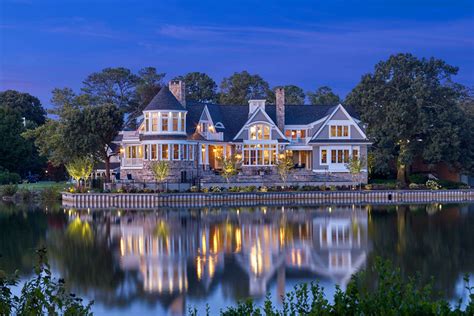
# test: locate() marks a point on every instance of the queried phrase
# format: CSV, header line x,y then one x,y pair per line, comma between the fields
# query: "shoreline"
x,y
198,199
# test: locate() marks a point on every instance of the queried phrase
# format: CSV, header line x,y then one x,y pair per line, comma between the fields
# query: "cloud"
x,y
371,35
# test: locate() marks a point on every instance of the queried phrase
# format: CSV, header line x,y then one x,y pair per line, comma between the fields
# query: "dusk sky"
x,y
47,44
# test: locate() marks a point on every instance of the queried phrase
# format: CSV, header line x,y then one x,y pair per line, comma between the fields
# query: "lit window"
x,y
183,122
259,132
176,152
339,131
164,152
324,156
164,122
147,121
175,122
154,152
259,155
154,122
355,153
191,152
184,152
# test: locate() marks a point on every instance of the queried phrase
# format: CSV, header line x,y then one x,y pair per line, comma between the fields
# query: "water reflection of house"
x,y
167,247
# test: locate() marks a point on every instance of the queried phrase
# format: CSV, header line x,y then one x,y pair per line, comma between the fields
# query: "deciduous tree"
x,y
323,96
410,107
199,87
241,87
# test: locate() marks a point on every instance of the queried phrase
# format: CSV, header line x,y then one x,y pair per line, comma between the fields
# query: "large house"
x,y
194,137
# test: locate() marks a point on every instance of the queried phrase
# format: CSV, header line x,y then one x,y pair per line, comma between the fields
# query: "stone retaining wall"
x,y
156,200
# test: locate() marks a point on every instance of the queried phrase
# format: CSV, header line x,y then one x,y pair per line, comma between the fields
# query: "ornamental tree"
x,y
230,167
284,166
160,170
355,165
80,169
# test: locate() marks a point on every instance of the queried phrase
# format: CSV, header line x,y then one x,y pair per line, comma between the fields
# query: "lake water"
x,y
162,262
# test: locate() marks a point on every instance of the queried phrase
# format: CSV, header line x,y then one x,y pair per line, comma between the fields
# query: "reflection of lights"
x,y
214,242
238,240
203,243
122,247
256,259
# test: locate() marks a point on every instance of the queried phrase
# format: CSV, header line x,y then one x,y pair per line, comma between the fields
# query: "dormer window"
x,y
339,131
259,132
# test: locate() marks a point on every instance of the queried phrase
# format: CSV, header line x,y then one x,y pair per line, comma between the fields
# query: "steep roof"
x,y
164,100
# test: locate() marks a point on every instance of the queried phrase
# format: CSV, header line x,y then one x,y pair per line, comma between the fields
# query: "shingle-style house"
x,y
194,136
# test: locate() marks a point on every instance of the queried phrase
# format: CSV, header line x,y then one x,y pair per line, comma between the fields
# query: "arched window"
x,y
259,132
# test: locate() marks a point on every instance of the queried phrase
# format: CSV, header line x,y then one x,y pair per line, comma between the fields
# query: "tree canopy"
x,y
323,96
411,108
199,87
241,87
294,95
23,104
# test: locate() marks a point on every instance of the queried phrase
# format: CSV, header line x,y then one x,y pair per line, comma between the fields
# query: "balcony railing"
x,y
132,162
299,140
213,136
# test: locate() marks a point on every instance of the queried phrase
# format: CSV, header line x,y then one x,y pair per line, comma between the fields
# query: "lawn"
x,y
45,185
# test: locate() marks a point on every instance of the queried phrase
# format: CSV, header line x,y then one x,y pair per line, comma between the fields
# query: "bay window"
x,y
175,121
338,155
295,134
164,122
165,152
154,122
176,152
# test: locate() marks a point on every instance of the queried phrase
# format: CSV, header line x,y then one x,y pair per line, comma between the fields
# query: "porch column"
x,y
206,154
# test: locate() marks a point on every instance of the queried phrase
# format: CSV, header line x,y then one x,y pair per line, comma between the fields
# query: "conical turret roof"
x,y
164,100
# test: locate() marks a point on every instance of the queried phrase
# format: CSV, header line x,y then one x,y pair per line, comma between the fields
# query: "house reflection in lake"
x,y
170,248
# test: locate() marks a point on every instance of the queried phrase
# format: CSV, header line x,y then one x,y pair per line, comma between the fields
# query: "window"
x,y
355,153
339,131
134,152
183,121
259,132
154,152
259,155
154,122
164,122
175,121
184,152
165,152
324,156
176,152
295,134
147,122
339,155
191,152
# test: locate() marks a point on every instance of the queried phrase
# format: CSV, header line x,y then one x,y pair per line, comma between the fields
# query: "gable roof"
x,y
164,100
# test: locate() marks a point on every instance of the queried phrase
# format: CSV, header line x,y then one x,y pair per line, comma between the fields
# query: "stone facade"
x,y
280,108
176,169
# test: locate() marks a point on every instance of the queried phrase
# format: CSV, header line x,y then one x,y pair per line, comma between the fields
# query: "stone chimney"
x,y
178,89
280,108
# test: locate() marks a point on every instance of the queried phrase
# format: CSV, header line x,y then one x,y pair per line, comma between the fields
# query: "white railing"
x,y
213,136
132,162
299,140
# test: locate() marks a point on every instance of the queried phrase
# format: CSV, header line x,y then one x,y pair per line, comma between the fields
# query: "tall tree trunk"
x,y
107,169
402,174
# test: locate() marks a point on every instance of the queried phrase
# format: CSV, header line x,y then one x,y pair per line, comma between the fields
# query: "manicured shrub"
x,y
263,189
8,189
418,178
368,187
194,189
7,177
50,194
432,185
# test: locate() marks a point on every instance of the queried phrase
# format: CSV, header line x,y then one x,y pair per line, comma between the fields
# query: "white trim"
x,y
350,118
270,122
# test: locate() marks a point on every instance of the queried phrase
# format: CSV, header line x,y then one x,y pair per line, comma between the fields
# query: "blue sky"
x,y
47,44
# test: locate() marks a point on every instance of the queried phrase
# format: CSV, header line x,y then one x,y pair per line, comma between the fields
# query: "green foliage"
x,y
323,96
7,177
160,170
432,185
80,169
230,167
23,105
50,194
355,165
418,178
199,87
241,87
42,295
390,295
294,95
411,108
8,189
284,167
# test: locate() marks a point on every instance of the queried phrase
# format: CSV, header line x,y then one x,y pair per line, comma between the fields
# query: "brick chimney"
x,y
178,89
280,108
